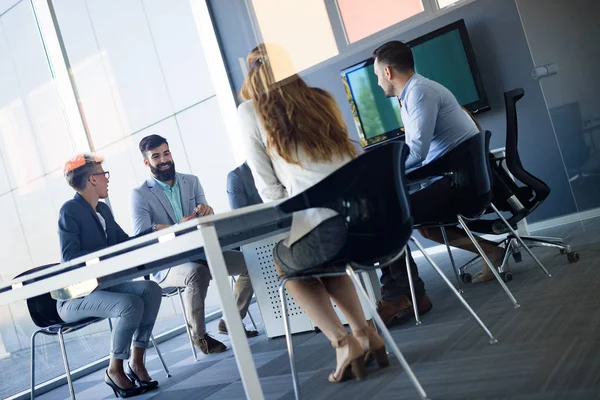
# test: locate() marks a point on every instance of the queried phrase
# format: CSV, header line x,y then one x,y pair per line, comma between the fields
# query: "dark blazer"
x,y
241,189
80,231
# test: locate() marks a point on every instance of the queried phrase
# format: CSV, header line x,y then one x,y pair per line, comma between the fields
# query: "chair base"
x,y
372,311
512,248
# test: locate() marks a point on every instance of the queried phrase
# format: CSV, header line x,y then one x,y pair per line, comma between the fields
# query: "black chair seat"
x,y
370,193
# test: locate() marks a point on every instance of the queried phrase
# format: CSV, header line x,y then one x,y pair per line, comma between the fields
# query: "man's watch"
x,y
153,227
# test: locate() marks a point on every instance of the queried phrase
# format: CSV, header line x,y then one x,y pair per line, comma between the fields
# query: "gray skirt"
x,y
320,246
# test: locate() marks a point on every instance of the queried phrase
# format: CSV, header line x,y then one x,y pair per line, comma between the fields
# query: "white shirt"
x,y
102,222
277,179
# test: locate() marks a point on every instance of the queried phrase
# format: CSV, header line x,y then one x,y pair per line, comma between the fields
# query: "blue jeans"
x,y
134,306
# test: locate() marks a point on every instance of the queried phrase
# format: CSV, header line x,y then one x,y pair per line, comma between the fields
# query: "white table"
x,y
169,247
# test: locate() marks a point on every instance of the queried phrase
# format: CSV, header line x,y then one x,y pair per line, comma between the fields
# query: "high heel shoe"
x,y
373,345
120,392
354,363
146,385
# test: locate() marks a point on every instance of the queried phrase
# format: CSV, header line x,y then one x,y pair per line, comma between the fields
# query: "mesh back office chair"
x,y
370,193
42,310
519,201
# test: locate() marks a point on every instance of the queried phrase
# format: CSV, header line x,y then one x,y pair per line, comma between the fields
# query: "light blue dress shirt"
x,y
434,122
174,196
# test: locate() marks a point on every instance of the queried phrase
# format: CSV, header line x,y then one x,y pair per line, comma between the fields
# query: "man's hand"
x,y
188,217
203,210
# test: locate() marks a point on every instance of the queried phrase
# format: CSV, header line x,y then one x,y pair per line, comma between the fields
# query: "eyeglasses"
x,y
105,173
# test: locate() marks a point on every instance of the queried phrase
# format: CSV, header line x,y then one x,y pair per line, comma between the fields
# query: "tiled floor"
x,y
548,349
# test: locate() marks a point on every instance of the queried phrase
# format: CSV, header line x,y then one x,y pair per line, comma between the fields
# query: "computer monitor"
x,y
444,55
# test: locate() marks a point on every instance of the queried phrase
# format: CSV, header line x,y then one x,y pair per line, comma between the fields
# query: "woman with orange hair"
x,y
294,137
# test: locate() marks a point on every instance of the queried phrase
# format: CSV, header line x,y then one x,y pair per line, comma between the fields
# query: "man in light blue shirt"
x,y
173,195
434,124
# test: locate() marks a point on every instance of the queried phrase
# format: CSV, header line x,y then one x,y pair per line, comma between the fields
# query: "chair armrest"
x,y
498,154
423,174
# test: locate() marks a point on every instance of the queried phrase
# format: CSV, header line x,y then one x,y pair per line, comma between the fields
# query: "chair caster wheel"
x,y
466,278
506,276
517,257
573,256
563,251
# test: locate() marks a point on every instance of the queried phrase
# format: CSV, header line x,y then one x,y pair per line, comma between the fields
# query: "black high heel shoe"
x,y
120,392
146,385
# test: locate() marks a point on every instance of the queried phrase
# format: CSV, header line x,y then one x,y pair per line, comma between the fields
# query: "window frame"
x,y
347,49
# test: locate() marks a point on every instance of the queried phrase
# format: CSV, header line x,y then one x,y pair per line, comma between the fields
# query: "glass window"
x,y
363,18
132,81
446,3
298,34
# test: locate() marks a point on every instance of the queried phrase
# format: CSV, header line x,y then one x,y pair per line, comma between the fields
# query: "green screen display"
x,y
444,60
378,114
441,58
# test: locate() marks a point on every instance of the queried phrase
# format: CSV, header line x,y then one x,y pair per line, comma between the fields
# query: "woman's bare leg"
x,y
312,296
117,374
137,364
342,291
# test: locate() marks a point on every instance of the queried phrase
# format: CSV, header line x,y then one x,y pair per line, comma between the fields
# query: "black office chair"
x,y
519,201
42,310
370,193
469,168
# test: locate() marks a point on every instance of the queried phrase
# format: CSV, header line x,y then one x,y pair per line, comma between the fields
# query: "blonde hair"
x,y
295,115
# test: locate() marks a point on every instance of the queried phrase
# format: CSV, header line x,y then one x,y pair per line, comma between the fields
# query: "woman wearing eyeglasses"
x,y
86,225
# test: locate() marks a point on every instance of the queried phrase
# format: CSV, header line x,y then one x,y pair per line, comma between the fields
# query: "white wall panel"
x,y
94,82
117,161
59,189
4,184
180,51
39,219
6,4
14,254
16,133
126,44
169,130
37,87
208,150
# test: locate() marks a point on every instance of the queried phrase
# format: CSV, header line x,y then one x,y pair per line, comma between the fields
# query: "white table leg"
x,y
239,342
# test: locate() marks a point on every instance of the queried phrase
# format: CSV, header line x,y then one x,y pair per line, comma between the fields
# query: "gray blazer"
x,y
149,206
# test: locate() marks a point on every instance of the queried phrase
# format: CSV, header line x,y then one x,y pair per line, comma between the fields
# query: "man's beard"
x,y
389,91
164,175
